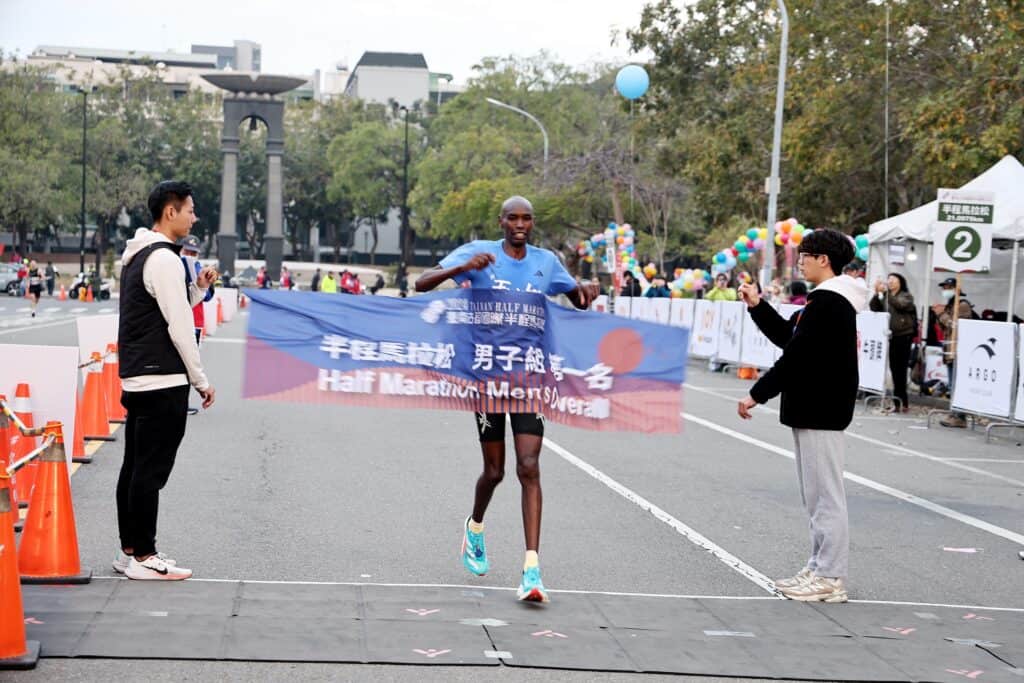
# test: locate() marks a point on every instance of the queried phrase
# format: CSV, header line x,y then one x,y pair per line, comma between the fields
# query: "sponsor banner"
x,y
600,304
872,350
1018,410
639,308
622,306
730,330
659,311
985,356
755,348
705,329
681,313
479,350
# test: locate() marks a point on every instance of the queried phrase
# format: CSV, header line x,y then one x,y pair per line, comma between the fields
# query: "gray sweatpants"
x,y
819,468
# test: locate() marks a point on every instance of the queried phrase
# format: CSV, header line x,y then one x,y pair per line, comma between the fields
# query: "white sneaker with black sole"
x,y
120,563
155,569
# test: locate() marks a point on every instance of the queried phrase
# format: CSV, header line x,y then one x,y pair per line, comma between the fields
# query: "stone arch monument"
x,y
252,96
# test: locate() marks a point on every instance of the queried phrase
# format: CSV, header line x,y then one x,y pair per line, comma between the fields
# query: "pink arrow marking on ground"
x,y
33,620
421,612
549,634
901,631
972,615
431,652
965,673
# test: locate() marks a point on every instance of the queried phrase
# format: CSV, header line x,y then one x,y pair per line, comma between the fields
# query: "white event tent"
x,y
1000,289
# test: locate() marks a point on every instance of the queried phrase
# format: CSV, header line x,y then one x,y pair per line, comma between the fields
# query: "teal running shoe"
x,y
531,589
474,554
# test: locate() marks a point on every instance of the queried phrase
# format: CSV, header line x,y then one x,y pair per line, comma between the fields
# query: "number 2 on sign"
x,y
963,244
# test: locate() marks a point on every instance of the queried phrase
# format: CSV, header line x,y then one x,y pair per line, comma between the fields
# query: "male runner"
x,y
512,264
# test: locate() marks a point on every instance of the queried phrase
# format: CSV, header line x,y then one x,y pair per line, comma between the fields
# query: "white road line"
x,y
24,309
37,327
79,309
106,310
882,444
671,596
684,530
221,340
870,483
982,460
51,309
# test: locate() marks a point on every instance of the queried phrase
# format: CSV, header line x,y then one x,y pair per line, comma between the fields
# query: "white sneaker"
x,y
818,589
155,569
801,577
120,563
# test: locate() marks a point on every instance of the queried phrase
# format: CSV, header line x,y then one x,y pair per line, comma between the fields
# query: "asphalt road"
x,y
295,492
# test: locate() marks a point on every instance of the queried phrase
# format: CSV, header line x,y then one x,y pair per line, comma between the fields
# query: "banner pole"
x,y
956,318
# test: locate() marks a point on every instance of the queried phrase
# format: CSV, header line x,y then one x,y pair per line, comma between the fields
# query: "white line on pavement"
x,y
882,444
106,310
673,596
222,340
51,309
870,483
984,460
37,327
79,309
686,531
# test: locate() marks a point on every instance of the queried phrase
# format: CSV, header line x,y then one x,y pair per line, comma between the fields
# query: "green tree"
x,y
366,165
35,153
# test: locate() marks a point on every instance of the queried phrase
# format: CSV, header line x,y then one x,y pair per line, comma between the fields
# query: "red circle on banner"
x,y
621,349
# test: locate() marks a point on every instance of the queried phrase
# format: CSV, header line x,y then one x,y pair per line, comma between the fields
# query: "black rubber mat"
x,y
253,621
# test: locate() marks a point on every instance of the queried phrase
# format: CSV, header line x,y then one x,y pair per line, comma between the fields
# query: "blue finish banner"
x,y
466,349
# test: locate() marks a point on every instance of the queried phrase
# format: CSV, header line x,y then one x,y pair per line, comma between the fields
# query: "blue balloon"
x,y
632,81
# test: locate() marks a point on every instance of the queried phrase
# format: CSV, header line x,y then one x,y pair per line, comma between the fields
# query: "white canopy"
x,y
1005,179
998,289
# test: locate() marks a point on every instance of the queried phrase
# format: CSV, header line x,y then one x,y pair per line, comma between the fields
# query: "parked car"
x,y
9,278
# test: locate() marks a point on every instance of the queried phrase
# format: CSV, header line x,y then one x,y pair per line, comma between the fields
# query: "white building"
x,y
385,77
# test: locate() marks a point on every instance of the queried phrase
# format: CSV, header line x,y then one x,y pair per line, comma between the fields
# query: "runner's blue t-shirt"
x,y
539,271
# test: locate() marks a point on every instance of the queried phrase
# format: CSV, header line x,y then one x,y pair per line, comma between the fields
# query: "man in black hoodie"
x,y
817,378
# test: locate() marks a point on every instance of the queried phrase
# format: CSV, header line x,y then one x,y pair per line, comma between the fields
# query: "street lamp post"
x,y
773,180
533,118
404,230
81,241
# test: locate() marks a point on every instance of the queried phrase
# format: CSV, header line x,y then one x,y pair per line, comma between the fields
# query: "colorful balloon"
x,y
632,81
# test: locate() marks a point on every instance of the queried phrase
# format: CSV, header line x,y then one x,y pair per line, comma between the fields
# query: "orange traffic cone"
x,y
95,421
78,440
112,386
7,430
49,543
220,312
15,651
88,295
22,445
242,301
63,296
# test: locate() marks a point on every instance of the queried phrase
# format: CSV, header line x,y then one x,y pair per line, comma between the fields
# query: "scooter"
x,y
83,280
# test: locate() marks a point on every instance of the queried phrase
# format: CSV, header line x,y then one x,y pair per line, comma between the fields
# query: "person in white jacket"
x,y
159,359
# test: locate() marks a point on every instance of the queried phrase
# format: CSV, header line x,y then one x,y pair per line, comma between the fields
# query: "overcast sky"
x,y
301,35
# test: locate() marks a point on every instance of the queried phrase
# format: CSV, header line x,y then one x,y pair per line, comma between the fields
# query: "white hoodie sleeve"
x,y
164,278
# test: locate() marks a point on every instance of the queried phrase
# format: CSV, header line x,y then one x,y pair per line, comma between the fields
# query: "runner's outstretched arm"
x,y
432,278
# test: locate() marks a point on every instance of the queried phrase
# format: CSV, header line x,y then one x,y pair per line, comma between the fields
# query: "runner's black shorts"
x,y
491,426
35,290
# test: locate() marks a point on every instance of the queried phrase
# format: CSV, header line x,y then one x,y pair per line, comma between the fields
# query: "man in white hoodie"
x,y
159,359
817,378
